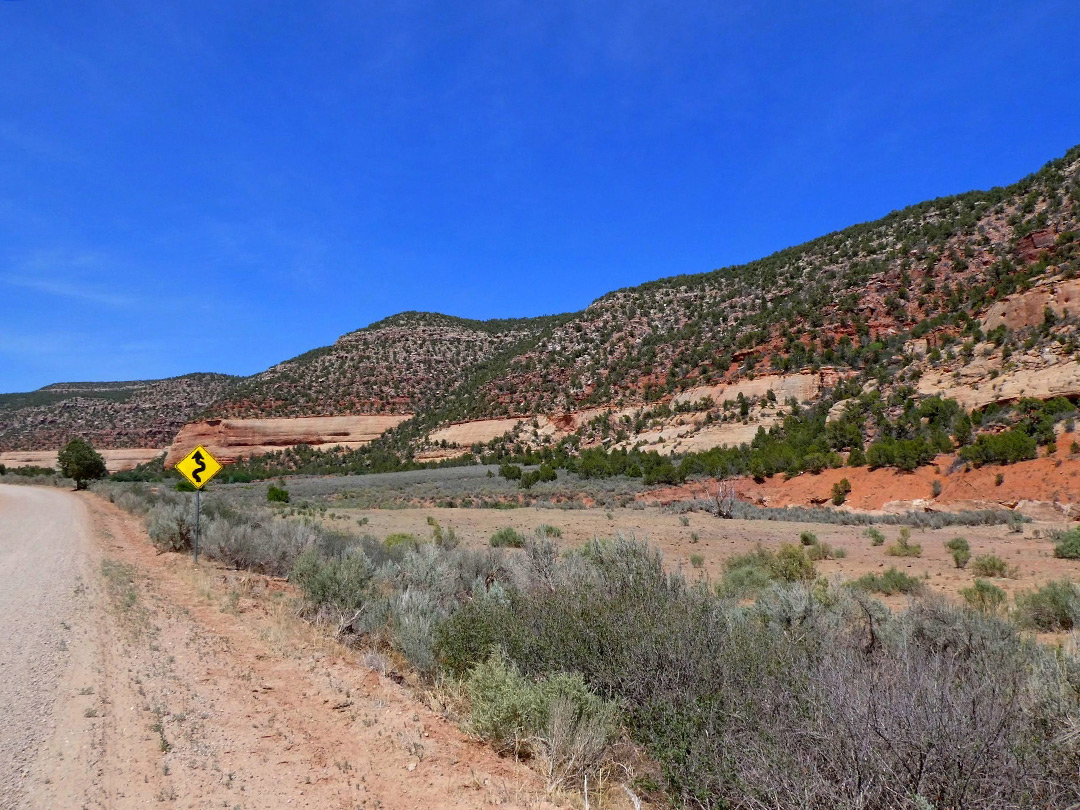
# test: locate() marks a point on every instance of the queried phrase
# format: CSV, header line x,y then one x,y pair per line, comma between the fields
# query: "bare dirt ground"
x,y
135,679
1042,486
715,540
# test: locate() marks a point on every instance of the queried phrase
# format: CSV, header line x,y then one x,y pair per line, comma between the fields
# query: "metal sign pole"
x,y
198,467
198,492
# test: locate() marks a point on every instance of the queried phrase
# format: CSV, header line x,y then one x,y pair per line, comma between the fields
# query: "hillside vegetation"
x,y
904,309
398,365
964,297
928,271
603,663
140,413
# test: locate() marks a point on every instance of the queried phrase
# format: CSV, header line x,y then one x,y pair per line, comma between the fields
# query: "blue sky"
x,y
189,186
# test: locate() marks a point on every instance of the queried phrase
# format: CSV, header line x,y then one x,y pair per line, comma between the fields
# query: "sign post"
x,y
198,467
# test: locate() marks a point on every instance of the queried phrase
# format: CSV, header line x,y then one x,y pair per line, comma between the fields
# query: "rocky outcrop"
x,y
1030,247
974,386
465,434
1060,296
697,439
232,439
838,410
677,433
804,387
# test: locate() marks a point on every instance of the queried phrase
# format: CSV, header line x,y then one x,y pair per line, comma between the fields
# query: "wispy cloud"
x,y
85,276
68,289
40,344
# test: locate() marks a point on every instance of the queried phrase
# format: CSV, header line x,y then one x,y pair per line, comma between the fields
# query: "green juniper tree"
x,y
79,460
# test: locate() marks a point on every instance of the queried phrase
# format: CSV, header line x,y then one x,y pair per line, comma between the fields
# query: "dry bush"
x,y
555,720
812,699
171,526
991,565
266,547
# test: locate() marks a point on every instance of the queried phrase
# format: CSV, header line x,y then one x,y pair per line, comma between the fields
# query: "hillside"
x,y
927,270
938,295
972,297
399,365
139,413
395,366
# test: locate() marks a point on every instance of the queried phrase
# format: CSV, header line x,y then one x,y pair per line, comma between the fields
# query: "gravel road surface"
x,y
42,544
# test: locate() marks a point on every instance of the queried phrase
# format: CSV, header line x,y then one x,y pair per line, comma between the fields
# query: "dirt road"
x,y
43,544
135,679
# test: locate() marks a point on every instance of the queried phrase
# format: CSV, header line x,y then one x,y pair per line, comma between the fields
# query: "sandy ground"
x,y
1031,552
116,460
199,688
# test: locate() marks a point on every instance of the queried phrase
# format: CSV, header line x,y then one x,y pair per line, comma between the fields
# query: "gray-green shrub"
x,y
507,537
746,574
1051,607
990,565
1068,544
338,585
876,537
903,547
765,707
984,596
960,550
801,514
171,526
554,718
414,614
269,547
889,583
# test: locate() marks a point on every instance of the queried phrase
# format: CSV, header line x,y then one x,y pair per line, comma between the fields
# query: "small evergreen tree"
x,y
80,461
277,494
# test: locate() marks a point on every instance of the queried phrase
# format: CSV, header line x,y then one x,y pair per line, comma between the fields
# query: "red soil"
x,y
1052,479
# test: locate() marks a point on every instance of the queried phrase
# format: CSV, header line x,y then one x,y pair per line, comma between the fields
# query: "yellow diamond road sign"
x,y
198,467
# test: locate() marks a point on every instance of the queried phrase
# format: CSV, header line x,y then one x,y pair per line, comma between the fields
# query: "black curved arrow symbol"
x,y
200,468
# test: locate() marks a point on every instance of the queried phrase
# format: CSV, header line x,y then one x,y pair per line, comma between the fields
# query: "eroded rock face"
x,y
232,439
1030,247
1025,309
465,434
973,386
804,387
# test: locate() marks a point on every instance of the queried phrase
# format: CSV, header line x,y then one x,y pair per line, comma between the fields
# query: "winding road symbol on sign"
x,y
196,473
198,467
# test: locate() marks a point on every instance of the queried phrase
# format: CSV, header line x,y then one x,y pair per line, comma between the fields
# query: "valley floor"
x,y
709,541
